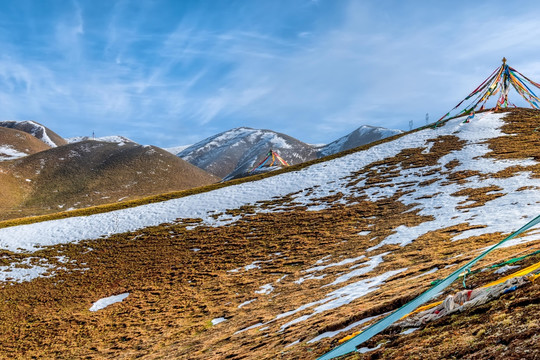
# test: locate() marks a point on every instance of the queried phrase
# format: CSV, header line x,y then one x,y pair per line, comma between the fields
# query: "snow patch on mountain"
x,y
175,150
115,139
9,153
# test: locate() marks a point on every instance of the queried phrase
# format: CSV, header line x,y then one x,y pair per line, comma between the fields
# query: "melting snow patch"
x,y
364,350
8,153
316,207
265,289
292,344
309,277
252,266
435,269
428,148
218,320
23,271
249,328
409,331
364,233
103,303
323,260
246,303
341,263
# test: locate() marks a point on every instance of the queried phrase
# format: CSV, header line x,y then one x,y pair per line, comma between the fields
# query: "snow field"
x,y
8,153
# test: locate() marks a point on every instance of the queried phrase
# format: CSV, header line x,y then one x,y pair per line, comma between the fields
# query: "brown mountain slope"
x,y
20,141
92,172
37,130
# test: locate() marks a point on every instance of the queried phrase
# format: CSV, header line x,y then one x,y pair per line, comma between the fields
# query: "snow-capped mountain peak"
x,y
234,152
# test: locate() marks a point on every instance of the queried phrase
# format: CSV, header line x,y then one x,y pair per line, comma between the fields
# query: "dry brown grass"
x,y
175,291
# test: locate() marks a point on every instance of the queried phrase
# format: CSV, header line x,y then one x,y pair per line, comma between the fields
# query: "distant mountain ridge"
x,y
117,139
234,152
365,134
42,172
95,172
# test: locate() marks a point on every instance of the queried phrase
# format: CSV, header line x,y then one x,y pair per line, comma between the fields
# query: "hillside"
x,y
233,153
37,130
89,173
285,266
15,144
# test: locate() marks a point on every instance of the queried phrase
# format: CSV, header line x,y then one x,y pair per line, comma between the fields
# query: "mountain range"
x,y
234,153
44,172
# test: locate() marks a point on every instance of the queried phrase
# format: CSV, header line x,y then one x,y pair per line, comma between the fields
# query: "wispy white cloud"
x,y
150,74
361,72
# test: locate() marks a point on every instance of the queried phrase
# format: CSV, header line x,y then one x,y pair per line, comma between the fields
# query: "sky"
x,y
173,72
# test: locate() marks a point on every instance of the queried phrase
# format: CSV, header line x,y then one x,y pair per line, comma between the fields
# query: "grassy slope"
x,y
91,172
21,141
14,189
175,291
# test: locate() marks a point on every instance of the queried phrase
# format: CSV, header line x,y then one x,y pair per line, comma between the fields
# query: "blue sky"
x,y
172,72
